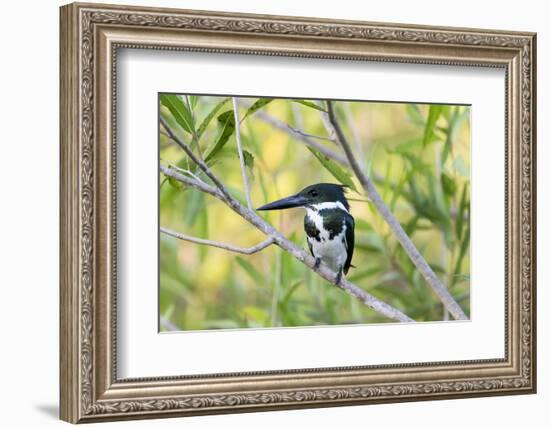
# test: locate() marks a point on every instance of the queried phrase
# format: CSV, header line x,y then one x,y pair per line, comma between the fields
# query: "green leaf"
x,y
454,121
405,147
362,274
447,147
411,226
174,182
260,103
193,207
335,170
433,114
193,99
414,114
461,211
226,121
249,163
448,183
248,159
416,162
206,121
256,314
202,230
169,311
309,104
179,111
463,249
460,166
371,243
289,292
398,191
446,112
361,224
254,274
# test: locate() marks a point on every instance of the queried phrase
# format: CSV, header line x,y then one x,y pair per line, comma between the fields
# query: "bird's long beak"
x,y
286,203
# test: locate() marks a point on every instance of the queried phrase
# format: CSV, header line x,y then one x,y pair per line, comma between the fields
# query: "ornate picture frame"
x,y
90,37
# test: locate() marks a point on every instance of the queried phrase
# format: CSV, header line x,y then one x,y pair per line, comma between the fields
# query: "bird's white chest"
x,y
332,252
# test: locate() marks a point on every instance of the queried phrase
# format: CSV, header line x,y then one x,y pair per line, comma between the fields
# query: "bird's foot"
x,y
338,277
317,263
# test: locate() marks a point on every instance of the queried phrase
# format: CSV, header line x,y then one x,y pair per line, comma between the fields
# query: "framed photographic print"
x,y
265,212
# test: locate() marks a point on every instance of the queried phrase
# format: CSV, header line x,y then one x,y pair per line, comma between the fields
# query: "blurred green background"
x,y
418,156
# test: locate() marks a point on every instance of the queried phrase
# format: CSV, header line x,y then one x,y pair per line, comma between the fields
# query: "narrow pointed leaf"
x,y
248,159
448,184
252,271
335,170
414,114
463,249
433,114
179,111
309,104
193,99
461,211
226,122
206,121
260,103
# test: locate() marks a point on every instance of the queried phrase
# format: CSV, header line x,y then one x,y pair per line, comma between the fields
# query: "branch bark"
x,y
240,150
232,248
411,250
169,326
202,166
278,239
302,136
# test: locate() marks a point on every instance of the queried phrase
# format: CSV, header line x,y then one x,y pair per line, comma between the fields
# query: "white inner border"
x,y
143,352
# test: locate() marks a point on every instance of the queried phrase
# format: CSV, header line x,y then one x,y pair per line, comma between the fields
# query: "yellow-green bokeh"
x,y
203,287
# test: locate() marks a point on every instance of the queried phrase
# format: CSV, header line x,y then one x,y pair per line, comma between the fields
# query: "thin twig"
x,y
297,114
196,160
354,131
285,244
411,250
232,248
301,136
326,122
185,171
240,150
169,326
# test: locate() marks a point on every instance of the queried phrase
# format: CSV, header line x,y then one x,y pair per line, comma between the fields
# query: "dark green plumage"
x,y
328,224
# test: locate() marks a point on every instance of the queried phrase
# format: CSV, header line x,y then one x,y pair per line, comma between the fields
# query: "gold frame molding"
x,y
90,36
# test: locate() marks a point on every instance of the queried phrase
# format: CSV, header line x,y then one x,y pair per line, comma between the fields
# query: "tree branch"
x,y
169,326
196,160
240,150
301,136
285,244
413,253
246,251
354,131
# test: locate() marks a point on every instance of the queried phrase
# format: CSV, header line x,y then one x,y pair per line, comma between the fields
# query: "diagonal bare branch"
x,y
203,166
232,248
301,136
409,247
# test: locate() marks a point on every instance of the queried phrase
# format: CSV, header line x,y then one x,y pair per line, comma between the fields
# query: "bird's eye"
x,y
313,193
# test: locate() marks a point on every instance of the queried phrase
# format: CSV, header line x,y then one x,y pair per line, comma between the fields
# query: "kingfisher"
x,y
328,224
